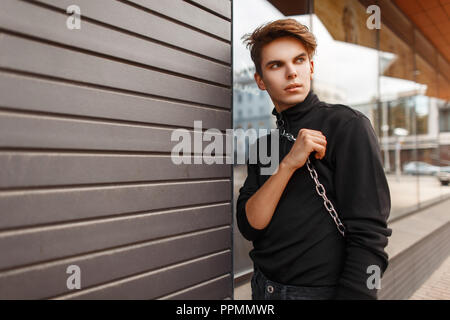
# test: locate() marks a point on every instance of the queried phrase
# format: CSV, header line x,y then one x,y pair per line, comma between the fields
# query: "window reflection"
x,y
404,96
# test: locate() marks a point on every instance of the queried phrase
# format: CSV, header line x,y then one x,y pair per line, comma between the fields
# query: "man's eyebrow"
x,y
303,54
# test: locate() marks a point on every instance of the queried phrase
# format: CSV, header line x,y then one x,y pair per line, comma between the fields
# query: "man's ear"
x,y
259,81
312,68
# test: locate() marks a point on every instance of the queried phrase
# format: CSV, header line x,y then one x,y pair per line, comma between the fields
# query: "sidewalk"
x,y
437,287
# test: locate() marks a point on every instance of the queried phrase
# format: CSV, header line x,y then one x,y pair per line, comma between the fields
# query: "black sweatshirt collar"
x,y
293,114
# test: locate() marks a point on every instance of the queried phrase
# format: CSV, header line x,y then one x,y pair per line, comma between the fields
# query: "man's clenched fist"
x,y
307,141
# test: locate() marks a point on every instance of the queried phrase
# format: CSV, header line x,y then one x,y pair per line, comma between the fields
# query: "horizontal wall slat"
x,y
47,280
162,282
219,6
21,209
52,96
216,289
68,240
29,131
186,13
107,41
27,169
126,17
22,54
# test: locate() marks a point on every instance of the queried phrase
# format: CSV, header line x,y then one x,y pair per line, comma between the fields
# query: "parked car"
x,y
420,168
444,175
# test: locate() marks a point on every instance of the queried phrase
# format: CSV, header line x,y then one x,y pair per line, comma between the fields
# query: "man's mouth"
x,y
293,87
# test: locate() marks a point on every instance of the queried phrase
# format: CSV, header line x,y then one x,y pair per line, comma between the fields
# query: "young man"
x,y
299,253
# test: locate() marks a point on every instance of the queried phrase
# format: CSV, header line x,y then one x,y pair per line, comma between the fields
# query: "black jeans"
x,y
265,289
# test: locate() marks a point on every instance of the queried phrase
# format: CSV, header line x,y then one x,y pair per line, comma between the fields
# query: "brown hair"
x,y
270,31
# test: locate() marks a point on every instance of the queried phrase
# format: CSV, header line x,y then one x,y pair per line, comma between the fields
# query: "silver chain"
x,y
320,189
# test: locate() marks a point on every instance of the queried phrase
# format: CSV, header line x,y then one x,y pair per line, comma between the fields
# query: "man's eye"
x,y
275,64
301,59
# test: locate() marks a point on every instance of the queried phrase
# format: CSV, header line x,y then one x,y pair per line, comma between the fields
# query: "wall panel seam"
x,y
109,250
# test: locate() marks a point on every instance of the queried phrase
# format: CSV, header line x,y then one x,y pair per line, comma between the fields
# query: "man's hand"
x,y
261,206
307,141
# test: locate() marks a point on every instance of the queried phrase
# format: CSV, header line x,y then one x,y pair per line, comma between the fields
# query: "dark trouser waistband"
x,y
265,289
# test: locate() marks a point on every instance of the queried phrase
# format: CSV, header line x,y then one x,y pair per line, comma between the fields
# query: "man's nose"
x,y
291,71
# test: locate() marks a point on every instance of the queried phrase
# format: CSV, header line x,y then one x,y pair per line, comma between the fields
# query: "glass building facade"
x,y
400,84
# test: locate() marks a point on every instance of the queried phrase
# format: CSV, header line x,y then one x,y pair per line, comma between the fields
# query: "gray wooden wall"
x,y
86,177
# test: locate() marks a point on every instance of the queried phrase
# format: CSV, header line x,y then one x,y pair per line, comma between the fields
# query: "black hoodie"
x,y
301,245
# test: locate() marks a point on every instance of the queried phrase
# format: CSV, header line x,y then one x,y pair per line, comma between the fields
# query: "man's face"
x,y
284,62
